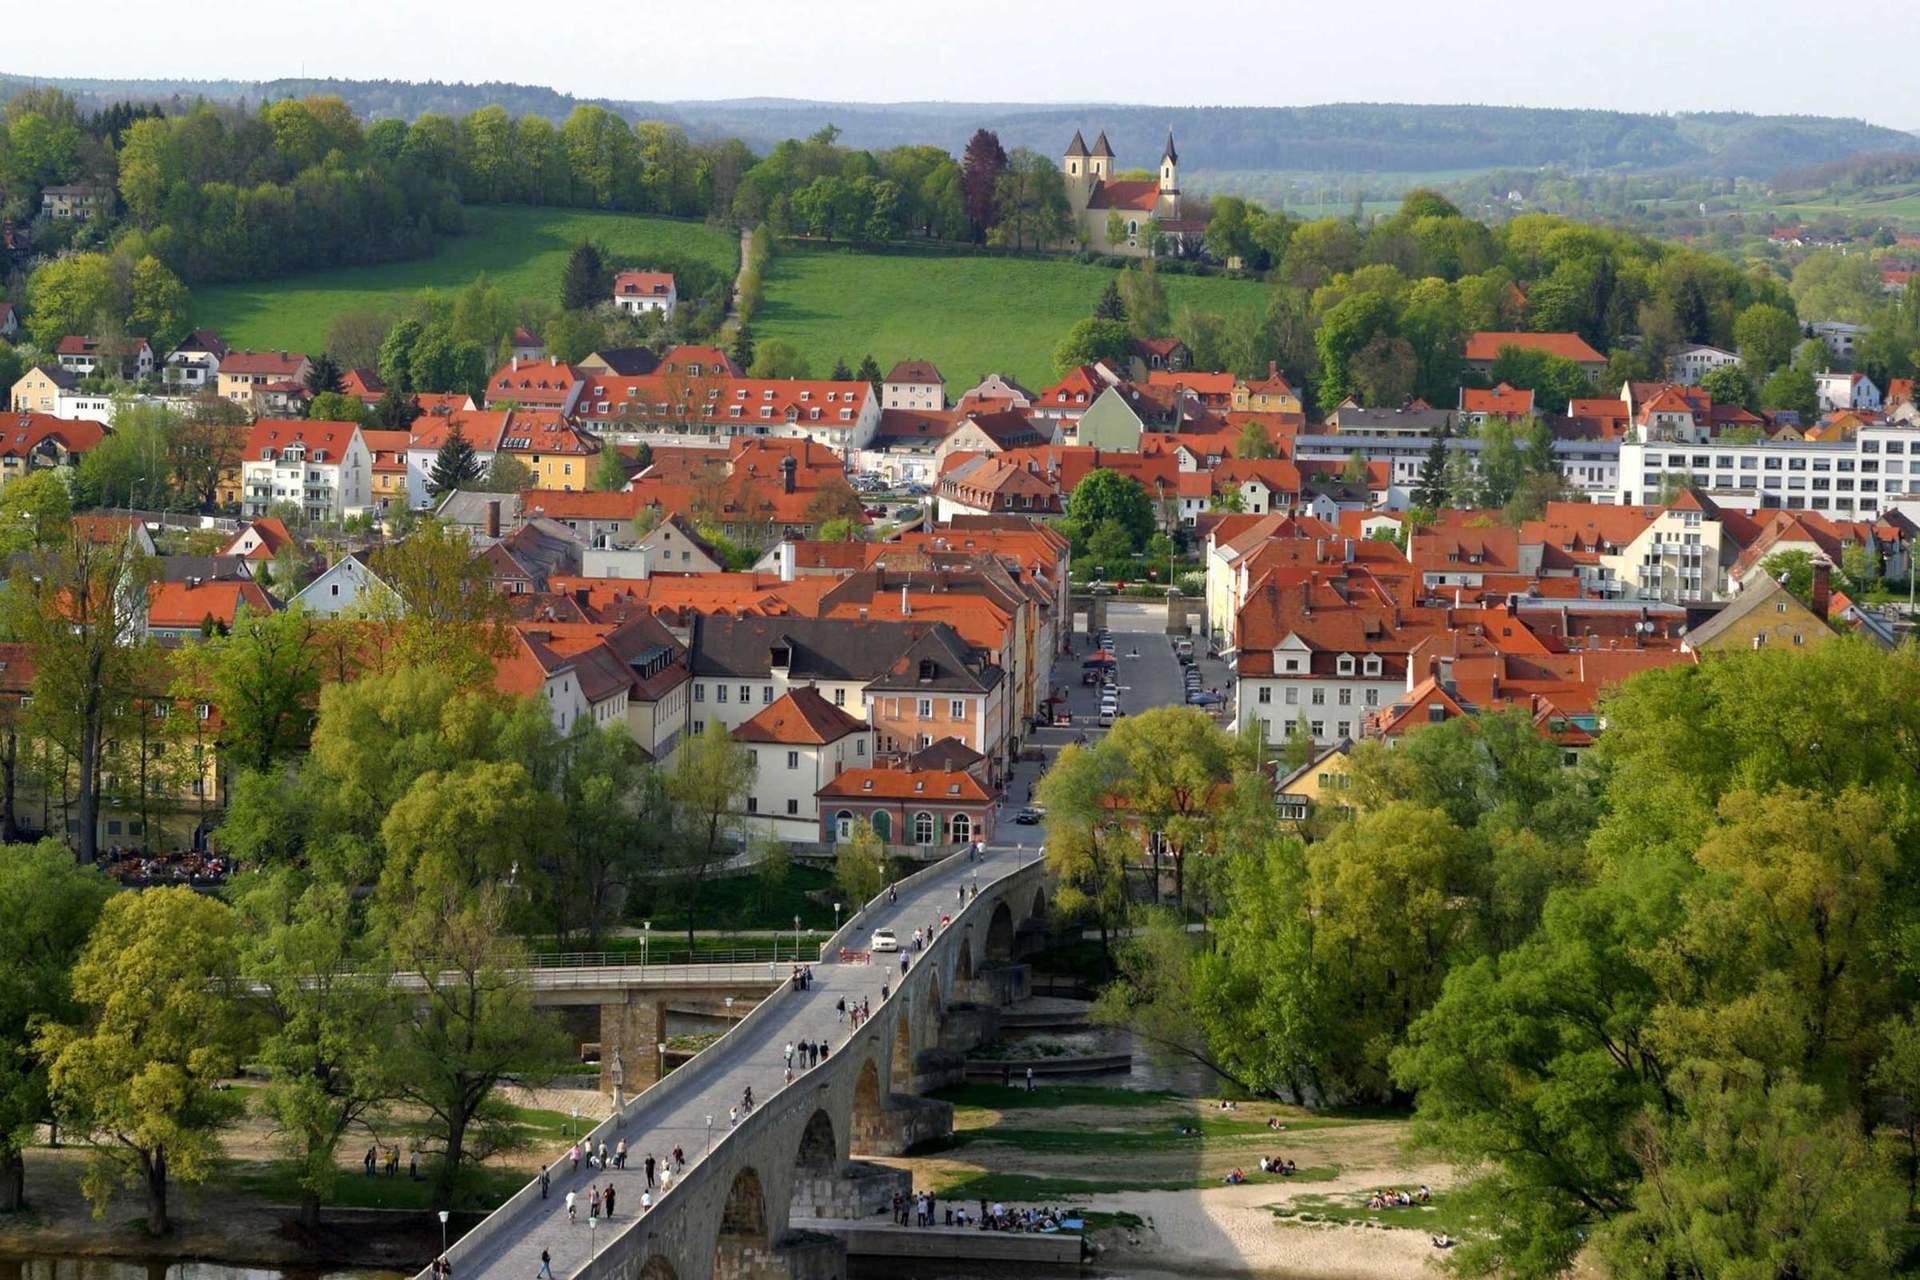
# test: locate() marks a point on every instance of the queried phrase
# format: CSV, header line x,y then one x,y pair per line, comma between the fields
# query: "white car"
x,y
883,940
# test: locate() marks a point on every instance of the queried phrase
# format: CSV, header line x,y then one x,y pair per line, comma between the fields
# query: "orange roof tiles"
x,y
1486,345
801,717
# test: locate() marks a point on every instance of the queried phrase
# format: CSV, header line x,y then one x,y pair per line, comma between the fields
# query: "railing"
x,y
656,957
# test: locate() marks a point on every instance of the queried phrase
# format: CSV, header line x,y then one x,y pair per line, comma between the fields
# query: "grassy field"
x,y
520,249
969,315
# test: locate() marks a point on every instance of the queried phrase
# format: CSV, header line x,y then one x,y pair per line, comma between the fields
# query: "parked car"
x,y
1029,816
883,940
906,513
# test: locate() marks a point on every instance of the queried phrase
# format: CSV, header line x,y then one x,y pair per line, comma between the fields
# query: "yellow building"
x,y
560,456
38,390
1320,788
1271,394
1766,615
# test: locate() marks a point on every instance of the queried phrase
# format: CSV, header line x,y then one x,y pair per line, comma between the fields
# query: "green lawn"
x,y
486,1187
738,902
520,249
969,315
1040,1186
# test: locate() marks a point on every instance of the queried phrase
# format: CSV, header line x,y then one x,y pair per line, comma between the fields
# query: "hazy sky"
x,y
1641,55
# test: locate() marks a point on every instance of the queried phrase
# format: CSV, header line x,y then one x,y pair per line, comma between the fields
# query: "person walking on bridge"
x,y
546,1267
572,1208
649,1168
609,1201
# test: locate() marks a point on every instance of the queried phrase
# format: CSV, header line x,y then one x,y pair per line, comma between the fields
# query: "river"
x,y
50,1268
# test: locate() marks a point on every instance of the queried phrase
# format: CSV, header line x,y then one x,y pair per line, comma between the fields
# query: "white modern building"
x,y
323,468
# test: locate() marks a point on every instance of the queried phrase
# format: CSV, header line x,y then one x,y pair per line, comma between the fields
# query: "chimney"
x,y
787,468
906,606
1822,586
513,364
493,518
1273,369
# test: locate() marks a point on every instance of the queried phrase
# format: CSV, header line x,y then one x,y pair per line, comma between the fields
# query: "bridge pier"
x,y
858,1189
635,1026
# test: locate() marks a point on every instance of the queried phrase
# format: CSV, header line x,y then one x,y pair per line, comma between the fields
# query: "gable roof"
x,y
22,433
930,785
1486,345
273,364
189,603
642,284
801,717
915,371
326,441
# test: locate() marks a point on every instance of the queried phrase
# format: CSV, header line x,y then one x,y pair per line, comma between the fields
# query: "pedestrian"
x,y
620,1155
574,1155
1029,1079
883,993
646,1202
866,1010
603,1153
666,1177
823,1050
840,1007
572,1209
368,1162
893,894
789,1053
609,1200
413,1165
446,1263
546,1267
593,1202
648,1164
903,962
679,1159
733,1117
543,1184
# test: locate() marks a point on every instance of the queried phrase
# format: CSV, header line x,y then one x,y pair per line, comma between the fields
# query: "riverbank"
x,y
1149,1169
246,1214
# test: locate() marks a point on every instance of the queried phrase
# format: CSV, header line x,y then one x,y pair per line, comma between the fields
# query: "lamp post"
x,y
728,1001
836,917
592,1250
796,939
443,1233
646,933
709,1135
662,1047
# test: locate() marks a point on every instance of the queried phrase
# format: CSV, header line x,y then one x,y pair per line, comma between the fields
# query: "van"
x,y
1106,717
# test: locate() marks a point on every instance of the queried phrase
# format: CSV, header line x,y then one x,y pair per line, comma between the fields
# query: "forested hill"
x,y
1341,138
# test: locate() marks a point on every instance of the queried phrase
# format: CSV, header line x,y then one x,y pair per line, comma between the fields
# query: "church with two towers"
x,y
1120,215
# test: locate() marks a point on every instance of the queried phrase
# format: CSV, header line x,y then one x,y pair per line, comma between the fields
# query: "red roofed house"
x,y
638,292
1501,402
245,376
1271,394
260,542
800,743
187,610
908,808
324,468
534,384
32,441
1484,348
482,429
82,355
1114,216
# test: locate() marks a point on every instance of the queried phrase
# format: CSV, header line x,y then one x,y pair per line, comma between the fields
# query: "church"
x,y
1126,207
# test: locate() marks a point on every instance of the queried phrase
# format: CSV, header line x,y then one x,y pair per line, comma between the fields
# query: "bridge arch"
x,y
1000,933
657,1268
819,1152
743,1233
867,1126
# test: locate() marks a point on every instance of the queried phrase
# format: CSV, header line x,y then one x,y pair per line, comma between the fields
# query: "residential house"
x,y
1839,337
640,292
560,455
1767,615
1271,394
1503,401
482,428
524,344
1484,347
627,362
913,384
1846,391
364,385
1157,355
255,379
534,384
9,321
928,811
262,542
321,467
130,359
1690,364
83,200
1320,788
799,743
191,609
35,441
193,366
347,587
388,450
38,390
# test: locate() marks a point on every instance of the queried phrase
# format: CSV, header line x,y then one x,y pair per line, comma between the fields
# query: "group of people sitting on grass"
x,y
1392,1199
1285,1168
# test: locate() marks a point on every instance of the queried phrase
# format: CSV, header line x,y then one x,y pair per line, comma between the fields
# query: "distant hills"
x,y
1339,138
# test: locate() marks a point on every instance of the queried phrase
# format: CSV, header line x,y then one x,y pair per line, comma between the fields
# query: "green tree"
x,y
1254,442
609,468
860,865
1344,331
36,512
265,678
50,906
1104,495
1729,385
612,824
1087,842
777,358
443,609
586,280
1793,390
330,1017
161,310
138,1077
1147,312
711,777
324,375
456,463
69,295
1111,305
505,474
1765,335
1089,341
1554,380
335,406
1829,285
869,373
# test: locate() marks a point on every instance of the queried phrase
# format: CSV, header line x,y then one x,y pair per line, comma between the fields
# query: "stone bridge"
x,y
796,1154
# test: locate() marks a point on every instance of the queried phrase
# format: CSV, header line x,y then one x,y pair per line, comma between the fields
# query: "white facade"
x,y
781,800
1690,364
1846,391
323,491
348,586
1847,478
734,702
1335,706
1839,337
1591,467
638,292
929,397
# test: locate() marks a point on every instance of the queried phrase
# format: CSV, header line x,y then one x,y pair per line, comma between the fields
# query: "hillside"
x,y
521,250
1352,138
969,315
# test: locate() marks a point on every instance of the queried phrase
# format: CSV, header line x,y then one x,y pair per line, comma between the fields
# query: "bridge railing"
x,y
660,956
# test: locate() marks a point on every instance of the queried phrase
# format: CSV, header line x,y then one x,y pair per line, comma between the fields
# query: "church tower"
x,y
1074,163
1170,169
1100,163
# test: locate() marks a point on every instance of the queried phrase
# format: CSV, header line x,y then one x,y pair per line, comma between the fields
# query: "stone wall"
x,y
859,1190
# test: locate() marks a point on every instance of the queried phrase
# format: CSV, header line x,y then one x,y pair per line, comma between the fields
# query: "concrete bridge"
x,y
795,1156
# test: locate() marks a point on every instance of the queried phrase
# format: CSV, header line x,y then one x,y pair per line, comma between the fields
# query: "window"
x,y
719,693
793,807
1318,728
839,697
923,828
1293,697
960,828
926,708
1346,697
766,695
793,759
843,826
860,747
746,693
699,692
1319,697
753,804
1266,696
699,726
957,709
883,826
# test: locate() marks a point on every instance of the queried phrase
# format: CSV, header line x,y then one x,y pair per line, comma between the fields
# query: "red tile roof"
x,y
274,364
802,718
21,433
1502,400
189,603
642,284
326,441
931,785
1487,344
1140,195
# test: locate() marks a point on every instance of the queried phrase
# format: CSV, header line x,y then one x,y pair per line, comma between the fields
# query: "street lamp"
x,y
796,939
836,917
443,1233
646,931
662,1047
592,1222
709,1135
728,1001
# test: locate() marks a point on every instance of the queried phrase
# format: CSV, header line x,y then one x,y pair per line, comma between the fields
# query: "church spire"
x,y
1170,154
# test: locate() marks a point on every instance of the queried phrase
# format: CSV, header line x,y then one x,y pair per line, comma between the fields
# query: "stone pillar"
x,y
1176,614
633,1027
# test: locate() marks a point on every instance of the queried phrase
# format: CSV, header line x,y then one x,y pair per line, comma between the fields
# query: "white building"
x,y
482,429
1859,477
1846,391
799,743
1690,364
914,384
1840,338
349,585
321,467
638,292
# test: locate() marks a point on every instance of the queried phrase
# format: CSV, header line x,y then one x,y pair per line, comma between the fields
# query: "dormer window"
x,y
1346,664
1373,664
